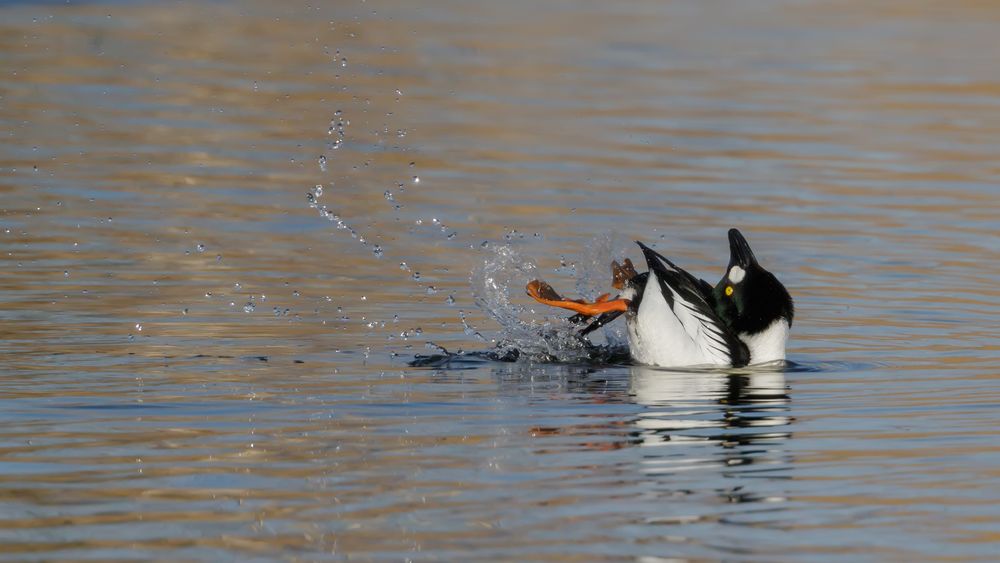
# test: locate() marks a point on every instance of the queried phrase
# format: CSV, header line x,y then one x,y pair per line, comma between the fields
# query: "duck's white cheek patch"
x,y
736,274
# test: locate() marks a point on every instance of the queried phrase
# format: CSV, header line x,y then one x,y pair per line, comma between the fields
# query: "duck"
x,y
674,319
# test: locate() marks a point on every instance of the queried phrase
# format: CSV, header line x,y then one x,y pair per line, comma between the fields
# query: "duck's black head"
x,y
749,298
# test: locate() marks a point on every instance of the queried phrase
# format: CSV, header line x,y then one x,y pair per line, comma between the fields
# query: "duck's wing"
x,y
689,300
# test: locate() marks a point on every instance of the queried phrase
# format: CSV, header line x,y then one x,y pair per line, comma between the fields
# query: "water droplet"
x,y
395,319
416,179
416,275
318,190
249,307
138,326
388,196
377,251
66,273
322,163
431,290
403,266
184,311
311,199
295,293
484,244
343,62
450,300
201,247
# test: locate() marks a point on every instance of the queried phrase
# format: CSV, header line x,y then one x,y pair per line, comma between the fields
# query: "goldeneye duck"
x,y
674,319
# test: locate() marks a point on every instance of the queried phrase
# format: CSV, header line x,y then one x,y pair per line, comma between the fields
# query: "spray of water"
x,y
530,330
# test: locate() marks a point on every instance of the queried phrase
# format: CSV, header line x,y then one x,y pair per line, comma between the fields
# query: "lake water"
x,y
204,358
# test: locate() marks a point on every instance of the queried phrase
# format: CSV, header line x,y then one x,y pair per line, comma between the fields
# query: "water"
x,y
197,364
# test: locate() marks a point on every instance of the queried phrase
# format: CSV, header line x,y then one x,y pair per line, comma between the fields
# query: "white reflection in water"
x,y
727,410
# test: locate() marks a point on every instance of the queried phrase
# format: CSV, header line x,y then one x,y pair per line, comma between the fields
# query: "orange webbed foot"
x,y
622,273
544,294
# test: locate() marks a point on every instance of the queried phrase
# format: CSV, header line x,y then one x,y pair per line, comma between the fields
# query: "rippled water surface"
x,y
227,228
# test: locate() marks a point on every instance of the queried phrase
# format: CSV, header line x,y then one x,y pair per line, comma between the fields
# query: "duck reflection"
x,y
742,416
682,420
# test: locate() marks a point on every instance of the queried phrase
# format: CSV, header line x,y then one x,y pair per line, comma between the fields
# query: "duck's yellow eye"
x,y
729,290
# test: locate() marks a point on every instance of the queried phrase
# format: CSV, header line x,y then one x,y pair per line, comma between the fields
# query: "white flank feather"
x,y
676,336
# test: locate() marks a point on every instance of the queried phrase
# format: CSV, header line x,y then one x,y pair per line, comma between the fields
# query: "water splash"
x,y
592,271
497,286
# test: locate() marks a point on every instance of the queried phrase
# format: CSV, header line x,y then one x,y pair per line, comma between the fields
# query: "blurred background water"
x,y
227,227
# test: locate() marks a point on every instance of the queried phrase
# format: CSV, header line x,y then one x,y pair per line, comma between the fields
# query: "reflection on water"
x,y
227,229
733,424
744,403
